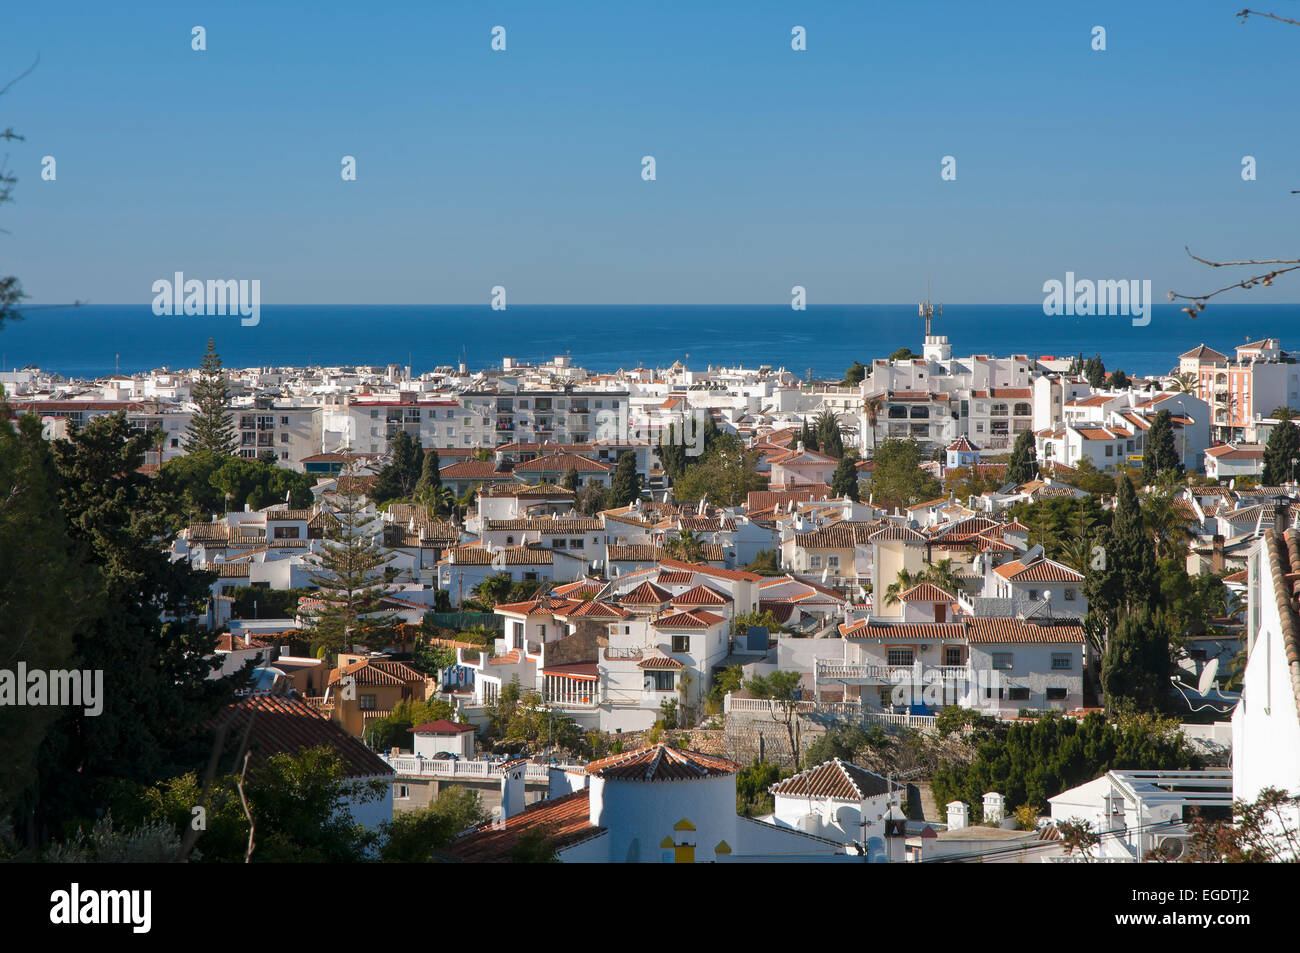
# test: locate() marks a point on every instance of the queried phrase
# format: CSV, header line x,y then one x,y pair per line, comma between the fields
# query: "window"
x,y
1062,661
1110,450
367,702
681,644
284,421
659,681
952,655
901,655
1003,661
833,562
814,562
557,543
401,791
1033,595
1056,694
1018,694
286,532
284,438
1071,595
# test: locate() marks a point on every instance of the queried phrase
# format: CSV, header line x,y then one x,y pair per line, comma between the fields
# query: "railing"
x,y
843,709
469,770
888,673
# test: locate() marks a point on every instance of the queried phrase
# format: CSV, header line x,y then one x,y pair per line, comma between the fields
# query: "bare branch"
x,y
7,86
1272,16
1260,280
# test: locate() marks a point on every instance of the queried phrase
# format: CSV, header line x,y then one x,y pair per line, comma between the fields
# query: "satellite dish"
x,y
1206,681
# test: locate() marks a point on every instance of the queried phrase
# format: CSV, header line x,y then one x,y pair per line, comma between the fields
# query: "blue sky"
x,y
522,168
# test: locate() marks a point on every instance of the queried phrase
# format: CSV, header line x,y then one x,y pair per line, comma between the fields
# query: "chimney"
x,y
994,808
958,815
1281,514
1216,562
512,789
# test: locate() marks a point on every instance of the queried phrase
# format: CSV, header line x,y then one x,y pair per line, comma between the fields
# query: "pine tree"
x,y
1283,446
1023,465
157,663
845,480
1160,455
211,427
353,575
46,589
626,484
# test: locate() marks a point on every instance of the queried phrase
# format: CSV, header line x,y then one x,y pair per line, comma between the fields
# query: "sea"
x,y
96,340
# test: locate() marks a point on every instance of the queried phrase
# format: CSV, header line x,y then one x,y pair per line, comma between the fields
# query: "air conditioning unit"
x,y
1172,847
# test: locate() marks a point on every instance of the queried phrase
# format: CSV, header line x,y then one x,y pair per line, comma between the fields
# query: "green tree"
x,y
571,479
1285,413
625,485
844,483
211,428
156,662
398,478
902,354
1095,372
428,487
829,439
1023,466
898,477
1120,381
1160,455
352,573
687,546
46,591
416,836
854,375
782,689
1135,668
1283,446
726,474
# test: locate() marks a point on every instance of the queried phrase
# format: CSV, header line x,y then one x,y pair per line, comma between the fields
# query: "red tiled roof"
x,y
702,595
695,619
661,762
442,727
283,725
646,594
926,592
564,821
1040,570
838,780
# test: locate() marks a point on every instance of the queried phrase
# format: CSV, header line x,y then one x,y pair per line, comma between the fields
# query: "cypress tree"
x,y
1135,668
1160,454
211,427
845,481
626,484
1023,465
570,481
430,475
1283,446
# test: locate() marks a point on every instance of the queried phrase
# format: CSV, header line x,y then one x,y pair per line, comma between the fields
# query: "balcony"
x,y
886,674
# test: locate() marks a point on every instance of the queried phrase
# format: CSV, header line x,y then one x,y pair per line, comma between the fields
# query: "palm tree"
x,y
1185,383
905,581
686,546
871,407
939,574
1166,522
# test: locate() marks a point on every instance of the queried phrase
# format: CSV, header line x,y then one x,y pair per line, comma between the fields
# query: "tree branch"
x,y
1264,280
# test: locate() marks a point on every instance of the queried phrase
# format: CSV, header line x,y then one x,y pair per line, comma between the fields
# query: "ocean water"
x,y
93,340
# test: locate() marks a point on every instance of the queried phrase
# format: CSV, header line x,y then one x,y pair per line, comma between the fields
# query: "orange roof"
x,y
661,762
564,821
